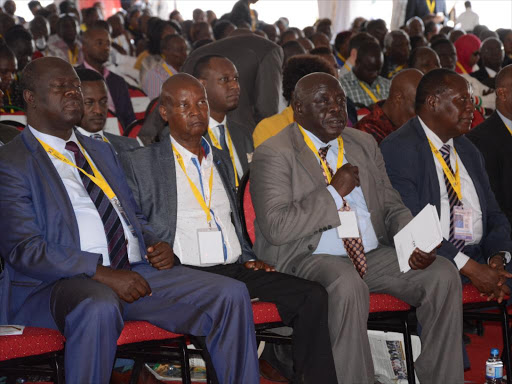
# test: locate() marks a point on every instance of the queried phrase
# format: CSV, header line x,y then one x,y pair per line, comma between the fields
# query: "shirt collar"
x,y
214,123
89,134
491,72
507,122
105,73
188,156
319,143
438,143
53,141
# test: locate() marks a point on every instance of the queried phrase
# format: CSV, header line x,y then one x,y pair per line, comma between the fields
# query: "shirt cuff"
x,y
460,260
336,196
506,254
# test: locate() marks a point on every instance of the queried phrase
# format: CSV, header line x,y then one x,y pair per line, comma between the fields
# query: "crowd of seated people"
x,y
359,128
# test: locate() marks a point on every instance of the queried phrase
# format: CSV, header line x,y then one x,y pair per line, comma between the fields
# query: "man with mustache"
x,y
95,94
191,183
317,175
81,258
429,160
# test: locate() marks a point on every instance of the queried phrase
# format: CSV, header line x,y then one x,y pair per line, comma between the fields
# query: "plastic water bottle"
x,y
494,368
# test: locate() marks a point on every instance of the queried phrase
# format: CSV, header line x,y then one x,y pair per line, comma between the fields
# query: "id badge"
x,y
211,247
348,227
463,223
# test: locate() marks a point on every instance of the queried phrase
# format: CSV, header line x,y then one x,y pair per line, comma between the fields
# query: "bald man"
x,y
158,175
81,258
300,180
494,140
424,59
429,161
388,115
96,50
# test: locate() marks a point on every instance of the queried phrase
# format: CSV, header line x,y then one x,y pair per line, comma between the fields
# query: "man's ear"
x,y
501,94
431,103
297,107
28,96
163,112
202,81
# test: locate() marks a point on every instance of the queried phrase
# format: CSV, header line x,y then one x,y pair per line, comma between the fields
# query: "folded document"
x,y
423,232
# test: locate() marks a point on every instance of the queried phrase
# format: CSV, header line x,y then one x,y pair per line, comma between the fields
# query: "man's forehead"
x,y
184,91
92,87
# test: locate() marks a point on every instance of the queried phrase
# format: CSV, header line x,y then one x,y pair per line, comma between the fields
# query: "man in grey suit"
x,y
94,90
205,227
259,63
220,79
296,230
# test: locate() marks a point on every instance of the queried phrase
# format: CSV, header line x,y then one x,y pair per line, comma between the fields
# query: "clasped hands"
x,y
129,285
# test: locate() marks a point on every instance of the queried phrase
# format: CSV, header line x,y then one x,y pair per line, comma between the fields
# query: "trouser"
x,y
183,300
436,293
302,304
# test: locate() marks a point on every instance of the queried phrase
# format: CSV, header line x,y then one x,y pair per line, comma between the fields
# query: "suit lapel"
x,y
52,177
242,143
306,157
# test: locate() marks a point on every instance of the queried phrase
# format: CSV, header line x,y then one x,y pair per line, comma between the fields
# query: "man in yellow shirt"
x,y
296,68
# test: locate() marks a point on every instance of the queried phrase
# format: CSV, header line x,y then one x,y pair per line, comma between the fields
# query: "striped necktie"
x,y
222,137
354,246
452,199
117,244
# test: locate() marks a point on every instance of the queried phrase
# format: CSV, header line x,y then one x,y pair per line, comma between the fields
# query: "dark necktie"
x,y
222,137
354,246
453,199
117,244
97,136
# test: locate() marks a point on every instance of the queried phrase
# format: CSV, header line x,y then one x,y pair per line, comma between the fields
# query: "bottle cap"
x,y
495,352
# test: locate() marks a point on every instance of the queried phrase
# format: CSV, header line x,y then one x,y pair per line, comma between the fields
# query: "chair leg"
x,y
136,371
411,378
506,342
58,368
185,364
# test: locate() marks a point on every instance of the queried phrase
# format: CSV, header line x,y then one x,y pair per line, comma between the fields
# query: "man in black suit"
x,y
183,168
220,79
429,161
7,133
94,91
259,63
494,140
491,55
422,8
96,49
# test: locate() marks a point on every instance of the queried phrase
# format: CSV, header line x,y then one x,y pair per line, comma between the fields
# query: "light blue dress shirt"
x,y
330,243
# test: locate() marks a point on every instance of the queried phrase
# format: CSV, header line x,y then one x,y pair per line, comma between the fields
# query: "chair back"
x,y
246,209
140,101
113,125
134,128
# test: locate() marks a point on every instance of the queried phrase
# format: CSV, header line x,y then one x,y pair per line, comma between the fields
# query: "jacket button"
x,y
325,228
329,226
293,269
320,230
310,247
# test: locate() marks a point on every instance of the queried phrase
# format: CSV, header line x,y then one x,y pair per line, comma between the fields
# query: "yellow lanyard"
x,y
8,94
510,130
341,57
462,69
73,56
217,145
396,70
311,146
431,4
369,92
453,179
97,179
167,69
199,197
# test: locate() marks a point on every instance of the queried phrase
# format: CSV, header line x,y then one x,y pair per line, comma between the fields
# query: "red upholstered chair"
x,y
13,116
113,125
134,128
475,308
37,352
387,313
140,101
151,107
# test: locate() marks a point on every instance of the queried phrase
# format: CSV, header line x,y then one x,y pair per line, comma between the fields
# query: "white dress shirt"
x,y
89,134
469,195
330,243
191,216
468,20
90,226
214,126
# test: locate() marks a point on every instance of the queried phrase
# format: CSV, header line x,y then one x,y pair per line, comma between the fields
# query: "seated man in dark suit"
x,y
494,140
96,49
80,257
421,158
184,186
220,79
95,94
300,181
491,56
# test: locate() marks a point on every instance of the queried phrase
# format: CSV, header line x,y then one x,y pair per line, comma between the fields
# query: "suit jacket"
x,y
483,76
151,174
242,142
293,206
412,172
121,143
419,8
259,63
494,141
118,89
41,242
7,133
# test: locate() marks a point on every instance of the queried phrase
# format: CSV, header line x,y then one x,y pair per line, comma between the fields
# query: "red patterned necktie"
x,y
353,246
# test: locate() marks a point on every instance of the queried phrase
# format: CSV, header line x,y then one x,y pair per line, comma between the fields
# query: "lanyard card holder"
x,y
348,228
463,223
211,247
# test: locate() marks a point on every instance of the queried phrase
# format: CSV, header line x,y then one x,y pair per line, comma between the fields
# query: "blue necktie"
x,y
222,137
